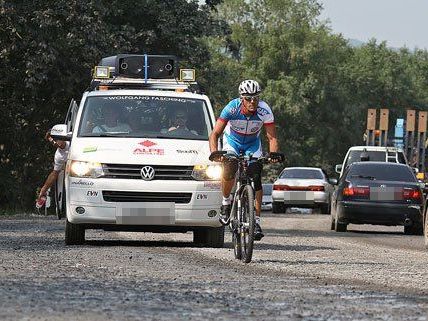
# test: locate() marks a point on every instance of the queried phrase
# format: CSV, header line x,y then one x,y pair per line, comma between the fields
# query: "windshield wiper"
x,y
372,178
112,134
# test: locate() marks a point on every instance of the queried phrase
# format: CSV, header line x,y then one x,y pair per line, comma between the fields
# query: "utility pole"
x,y
383,127
409,142
422,129
371,127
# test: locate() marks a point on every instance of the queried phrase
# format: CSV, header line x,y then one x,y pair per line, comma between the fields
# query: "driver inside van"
x,y
111,121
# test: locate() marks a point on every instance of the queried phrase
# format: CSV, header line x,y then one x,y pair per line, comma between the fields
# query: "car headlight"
x,y
207,172
86,169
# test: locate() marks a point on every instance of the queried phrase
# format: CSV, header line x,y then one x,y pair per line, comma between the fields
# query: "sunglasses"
x,y
251,98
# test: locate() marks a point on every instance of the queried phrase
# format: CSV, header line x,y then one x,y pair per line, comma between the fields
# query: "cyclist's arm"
x,y
215,135
271,136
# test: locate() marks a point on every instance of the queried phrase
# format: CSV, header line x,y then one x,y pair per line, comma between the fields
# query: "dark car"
x,y
378,193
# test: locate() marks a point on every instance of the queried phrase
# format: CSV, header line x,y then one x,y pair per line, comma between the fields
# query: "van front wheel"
x,y
74,233
209,237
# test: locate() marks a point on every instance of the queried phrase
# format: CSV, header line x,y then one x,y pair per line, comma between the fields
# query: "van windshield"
x,y
145,116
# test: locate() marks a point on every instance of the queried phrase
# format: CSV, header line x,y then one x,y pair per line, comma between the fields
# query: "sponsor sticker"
x,y
90,149
151,98
181,151
212,185
146,149
92,193
201,196
82,182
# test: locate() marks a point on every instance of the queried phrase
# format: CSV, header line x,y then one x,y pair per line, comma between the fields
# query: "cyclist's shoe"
x,y
258,233
224,214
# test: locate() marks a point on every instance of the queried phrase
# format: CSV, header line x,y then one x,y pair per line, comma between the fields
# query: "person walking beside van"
x,y
241,122
59,160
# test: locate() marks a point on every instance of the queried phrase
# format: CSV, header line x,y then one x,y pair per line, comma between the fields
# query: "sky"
x,y
399,22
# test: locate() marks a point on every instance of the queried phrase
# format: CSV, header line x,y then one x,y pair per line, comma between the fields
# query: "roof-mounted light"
x,y
187,74
102,72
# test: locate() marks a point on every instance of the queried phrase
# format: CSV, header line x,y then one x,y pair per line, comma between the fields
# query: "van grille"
x,y
121,196
162,172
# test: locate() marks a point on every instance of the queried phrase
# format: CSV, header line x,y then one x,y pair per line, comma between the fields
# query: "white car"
x,y
267,197
132,166
307,187
371,153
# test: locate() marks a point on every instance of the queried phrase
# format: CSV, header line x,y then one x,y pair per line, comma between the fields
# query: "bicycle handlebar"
x,y
222,156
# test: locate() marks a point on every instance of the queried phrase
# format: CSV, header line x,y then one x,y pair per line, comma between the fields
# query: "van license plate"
x,y
149,213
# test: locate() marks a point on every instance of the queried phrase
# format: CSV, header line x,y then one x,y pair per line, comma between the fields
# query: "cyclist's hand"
x,y
217,156
275,157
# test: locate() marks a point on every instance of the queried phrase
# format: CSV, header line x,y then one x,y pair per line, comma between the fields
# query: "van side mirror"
x,y
332,181
59,132
338,168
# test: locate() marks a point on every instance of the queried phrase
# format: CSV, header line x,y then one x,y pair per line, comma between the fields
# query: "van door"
x,y
70,120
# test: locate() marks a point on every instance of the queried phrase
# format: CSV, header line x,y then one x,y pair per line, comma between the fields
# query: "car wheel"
x,y
325,208
414,229
74,233
339,227
278,207
209,237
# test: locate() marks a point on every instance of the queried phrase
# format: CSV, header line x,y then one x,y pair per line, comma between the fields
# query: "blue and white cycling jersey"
x,y
242,133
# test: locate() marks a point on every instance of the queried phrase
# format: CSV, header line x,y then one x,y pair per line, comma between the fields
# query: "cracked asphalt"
x,y
300,271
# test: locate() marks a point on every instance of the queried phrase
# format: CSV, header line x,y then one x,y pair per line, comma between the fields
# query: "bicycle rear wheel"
x,y
248,223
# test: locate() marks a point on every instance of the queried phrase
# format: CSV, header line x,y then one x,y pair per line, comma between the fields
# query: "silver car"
x,y
267,197
307,187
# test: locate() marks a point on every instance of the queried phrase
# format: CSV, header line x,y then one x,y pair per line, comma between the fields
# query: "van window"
x,y
375,156
145,116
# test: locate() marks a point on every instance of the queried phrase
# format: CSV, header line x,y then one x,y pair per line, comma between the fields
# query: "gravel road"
x,y
301,271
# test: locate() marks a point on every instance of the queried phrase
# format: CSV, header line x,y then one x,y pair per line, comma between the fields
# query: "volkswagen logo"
x,y
147,173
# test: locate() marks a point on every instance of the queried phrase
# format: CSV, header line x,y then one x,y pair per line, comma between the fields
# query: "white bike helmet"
x,y
249,88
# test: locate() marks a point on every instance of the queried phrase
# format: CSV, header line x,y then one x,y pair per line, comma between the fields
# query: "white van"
x,y
138,158
373,153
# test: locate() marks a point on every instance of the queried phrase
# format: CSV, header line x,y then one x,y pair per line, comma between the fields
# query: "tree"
x,y
48,51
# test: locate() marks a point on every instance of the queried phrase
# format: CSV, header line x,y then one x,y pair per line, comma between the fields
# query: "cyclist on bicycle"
x,y
240,122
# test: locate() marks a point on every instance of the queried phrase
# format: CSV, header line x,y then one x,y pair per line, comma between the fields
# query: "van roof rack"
x,y
159,72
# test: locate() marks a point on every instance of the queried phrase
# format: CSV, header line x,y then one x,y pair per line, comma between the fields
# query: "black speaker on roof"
x,y
146,66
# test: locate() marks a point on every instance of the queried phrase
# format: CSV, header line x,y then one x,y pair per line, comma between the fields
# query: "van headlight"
x,y
86,169
207,172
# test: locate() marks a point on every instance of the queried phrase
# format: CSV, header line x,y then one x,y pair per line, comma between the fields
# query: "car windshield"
x,y
382,172
375,156
145,116
267,189
302,173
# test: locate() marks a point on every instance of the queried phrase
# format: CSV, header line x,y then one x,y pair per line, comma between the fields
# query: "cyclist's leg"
x,y
255,172
227,183
229,170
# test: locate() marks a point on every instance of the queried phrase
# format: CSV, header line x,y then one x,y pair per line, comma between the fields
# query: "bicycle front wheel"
x,y
236,238
247,223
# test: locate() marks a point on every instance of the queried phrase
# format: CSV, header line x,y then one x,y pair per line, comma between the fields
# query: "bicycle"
x,y
242,215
